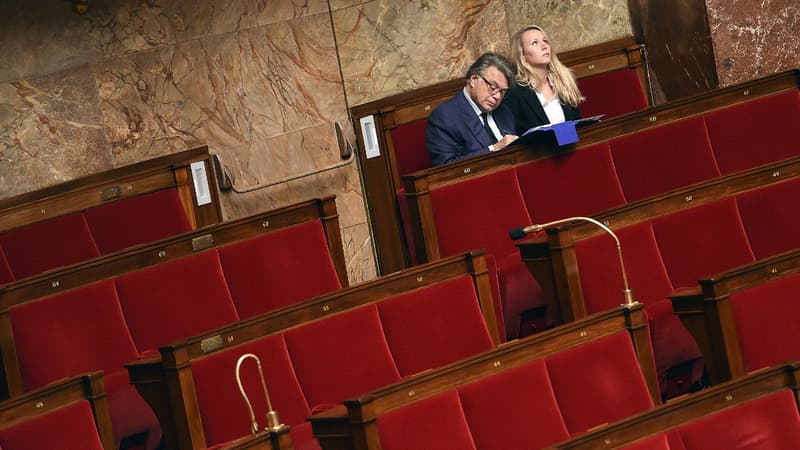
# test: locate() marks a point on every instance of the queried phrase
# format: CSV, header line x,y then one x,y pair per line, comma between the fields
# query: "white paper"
x,y
371,147
200,179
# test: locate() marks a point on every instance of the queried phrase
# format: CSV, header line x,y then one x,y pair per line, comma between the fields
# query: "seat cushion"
x,y
279,268
448,325
70,333
767,318
175,300
437,422
504,402
612,93
137,220
579,183
223,410
478,213
756,132
340,356
770,218
46,245
408,142
663,158
69,427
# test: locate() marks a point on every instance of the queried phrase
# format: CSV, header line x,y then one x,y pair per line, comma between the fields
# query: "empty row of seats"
x,y
107,323
612,173
104,213
759,411
319,352
745,319
673,251
527,394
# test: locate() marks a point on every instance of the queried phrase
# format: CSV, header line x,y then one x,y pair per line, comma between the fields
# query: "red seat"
x,y
579,183
410,152
175,300
434,423
756,132
341,356
279,269
46,245
447,325
612,93
69,427
478,213
601,276
137,220
78,331
598,382
520,402
701,241
770,422
664,158
767,318
223,410
770,217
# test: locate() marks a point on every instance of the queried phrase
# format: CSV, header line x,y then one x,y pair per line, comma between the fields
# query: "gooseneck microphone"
x,y
521,232
273,424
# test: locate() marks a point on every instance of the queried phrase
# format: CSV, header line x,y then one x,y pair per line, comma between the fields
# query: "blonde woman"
x,y
544,90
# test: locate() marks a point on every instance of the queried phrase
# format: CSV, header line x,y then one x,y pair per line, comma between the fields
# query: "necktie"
x,y
485,119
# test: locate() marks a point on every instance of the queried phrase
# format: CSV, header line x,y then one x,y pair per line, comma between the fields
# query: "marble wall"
x,y
754,38
262,82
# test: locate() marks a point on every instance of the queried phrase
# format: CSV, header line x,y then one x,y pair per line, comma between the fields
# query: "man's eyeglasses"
x,y
494,88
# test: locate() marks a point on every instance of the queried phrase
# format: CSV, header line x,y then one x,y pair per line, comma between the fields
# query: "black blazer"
x,y
528,111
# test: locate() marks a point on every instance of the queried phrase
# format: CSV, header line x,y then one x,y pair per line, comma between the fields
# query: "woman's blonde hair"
x,y
560,76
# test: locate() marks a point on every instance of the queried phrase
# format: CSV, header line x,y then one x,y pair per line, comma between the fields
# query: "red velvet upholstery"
x,y
341,356
137,220
612,93
78,331
303,437
224,411
46,245
767,318
769,422
770,217
513,409
578,183
519,292
5,270
434,423
71,333
478,213
647,278
279,269
702,241
69,427
678,359
447,325
657,442
175,300
410,152
756,132
601,276
598,382
664,158
130,414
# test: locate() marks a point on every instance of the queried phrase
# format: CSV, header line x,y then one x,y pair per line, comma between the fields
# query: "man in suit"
x,y
474,121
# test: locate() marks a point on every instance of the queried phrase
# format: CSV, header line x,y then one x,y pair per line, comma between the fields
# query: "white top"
x,y
489,118
552,108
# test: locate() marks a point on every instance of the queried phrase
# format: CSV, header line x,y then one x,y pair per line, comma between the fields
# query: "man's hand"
x,y
503,143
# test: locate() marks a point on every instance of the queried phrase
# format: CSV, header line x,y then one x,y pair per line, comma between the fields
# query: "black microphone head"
x,y
517,233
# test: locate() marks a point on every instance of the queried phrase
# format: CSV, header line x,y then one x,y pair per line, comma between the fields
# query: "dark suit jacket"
x,y
455,132
528,111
